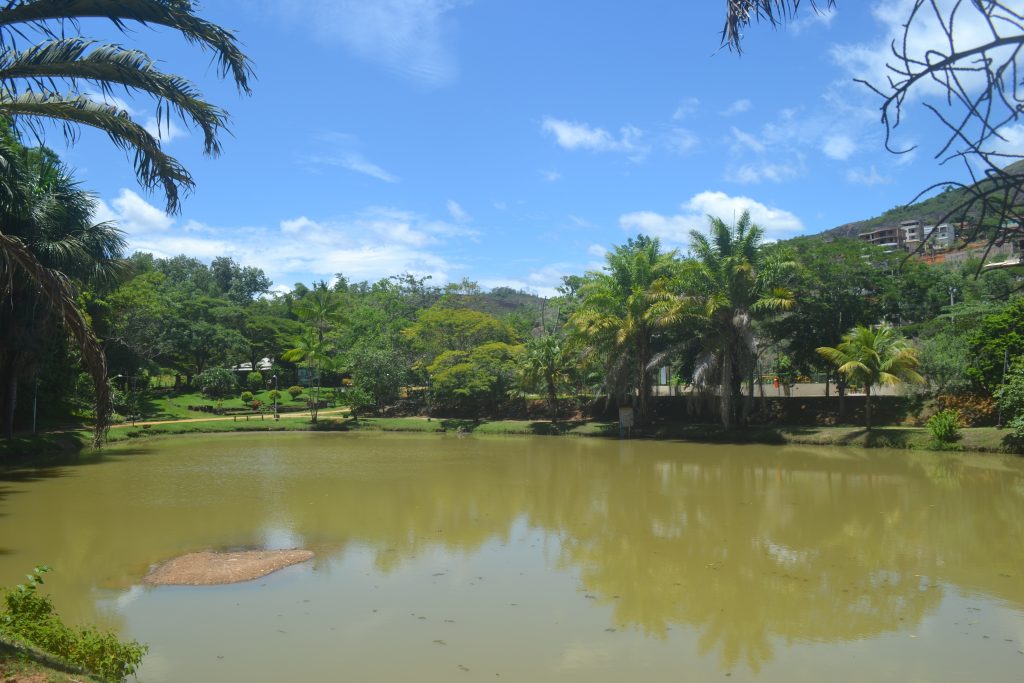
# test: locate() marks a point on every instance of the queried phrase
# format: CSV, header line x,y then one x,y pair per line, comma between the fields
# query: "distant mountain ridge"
x,y
928,210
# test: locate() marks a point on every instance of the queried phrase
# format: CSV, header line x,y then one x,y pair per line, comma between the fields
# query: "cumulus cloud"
x,y
164,130
574,135
815,18
408,37
778,223
370,244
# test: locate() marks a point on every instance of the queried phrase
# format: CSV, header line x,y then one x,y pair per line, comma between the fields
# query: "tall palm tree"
x,y
49,244
315,353
49,80
617,314
869,357
729,282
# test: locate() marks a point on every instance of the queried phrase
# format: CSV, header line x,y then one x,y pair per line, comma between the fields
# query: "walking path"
x,y
234,418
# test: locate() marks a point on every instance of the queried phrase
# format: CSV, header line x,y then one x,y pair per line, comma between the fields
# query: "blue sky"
x,y
513,142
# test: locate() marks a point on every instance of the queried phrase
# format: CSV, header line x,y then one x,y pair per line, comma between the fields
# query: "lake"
x,y
444,559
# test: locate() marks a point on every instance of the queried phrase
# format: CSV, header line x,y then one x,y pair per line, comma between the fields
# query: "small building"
x,y
888,238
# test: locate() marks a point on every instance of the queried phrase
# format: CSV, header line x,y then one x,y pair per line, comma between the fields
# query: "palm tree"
x,y
315,353
45,81
617,316
49,243
546,364
869,356
728,283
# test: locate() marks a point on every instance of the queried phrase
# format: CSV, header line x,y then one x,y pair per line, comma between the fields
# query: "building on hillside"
x,y
887,238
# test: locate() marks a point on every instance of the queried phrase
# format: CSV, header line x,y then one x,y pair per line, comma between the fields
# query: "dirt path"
x,y
284,416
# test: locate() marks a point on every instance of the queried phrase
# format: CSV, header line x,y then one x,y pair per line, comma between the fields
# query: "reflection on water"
x,y
541,559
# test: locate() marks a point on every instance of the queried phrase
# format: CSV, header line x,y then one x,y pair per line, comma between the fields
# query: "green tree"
x,y
730,281
49,248
617,315
869,357
315,352
478,379
217,383
545,365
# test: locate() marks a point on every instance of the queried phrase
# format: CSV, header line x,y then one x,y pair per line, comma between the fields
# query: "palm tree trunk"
x,y
645,382
725,399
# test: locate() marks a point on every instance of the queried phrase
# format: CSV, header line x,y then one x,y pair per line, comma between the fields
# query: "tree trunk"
x,y
725,399
867,406
552,399
645,382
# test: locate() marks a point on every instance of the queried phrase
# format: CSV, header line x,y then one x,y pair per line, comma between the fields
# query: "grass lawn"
x,y
23,665
175,407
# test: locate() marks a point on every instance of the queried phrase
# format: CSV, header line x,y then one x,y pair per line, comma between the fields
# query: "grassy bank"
x,y
980,439
27,451
19,664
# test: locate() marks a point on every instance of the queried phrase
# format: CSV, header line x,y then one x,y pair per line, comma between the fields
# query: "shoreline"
x,y
72,445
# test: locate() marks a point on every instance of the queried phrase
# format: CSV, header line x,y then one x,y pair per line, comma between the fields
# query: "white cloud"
x,y
597,250
737,107
760,172
869,177
778,223
354,162
133,214
408,37
581,222
457,212
686,108
164,130
746,140
373,243
682,141
573,135
551,176
813,19
839,147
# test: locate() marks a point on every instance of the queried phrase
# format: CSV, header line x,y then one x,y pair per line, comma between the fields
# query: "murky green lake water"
x,y
539,559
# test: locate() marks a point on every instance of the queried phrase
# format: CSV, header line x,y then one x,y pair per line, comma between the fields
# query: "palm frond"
x,y
153,167
70,59
174,14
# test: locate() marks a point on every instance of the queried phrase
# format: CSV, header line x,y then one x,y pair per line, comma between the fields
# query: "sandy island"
x,y
209,568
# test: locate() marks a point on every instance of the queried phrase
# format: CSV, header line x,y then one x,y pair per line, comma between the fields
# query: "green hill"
x,y
930,210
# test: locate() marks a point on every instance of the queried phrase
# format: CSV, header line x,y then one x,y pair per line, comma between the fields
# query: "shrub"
x,y
246,397
254,380
216,382
295,392
944,426
31,618
255,405
1011,401
356,399
275,395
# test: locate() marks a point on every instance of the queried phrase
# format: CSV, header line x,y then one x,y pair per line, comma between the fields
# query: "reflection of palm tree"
x,y
48,239
867,357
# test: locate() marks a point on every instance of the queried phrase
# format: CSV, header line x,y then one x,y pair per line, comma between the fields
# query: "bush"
x,y
944,426
295,392
275,395
1011,400
216,382
254,380
31,618
356,399
246,397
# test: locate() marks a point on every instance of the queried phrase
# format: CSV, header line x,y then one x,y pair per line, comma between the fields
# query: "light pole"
x,y
276,393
